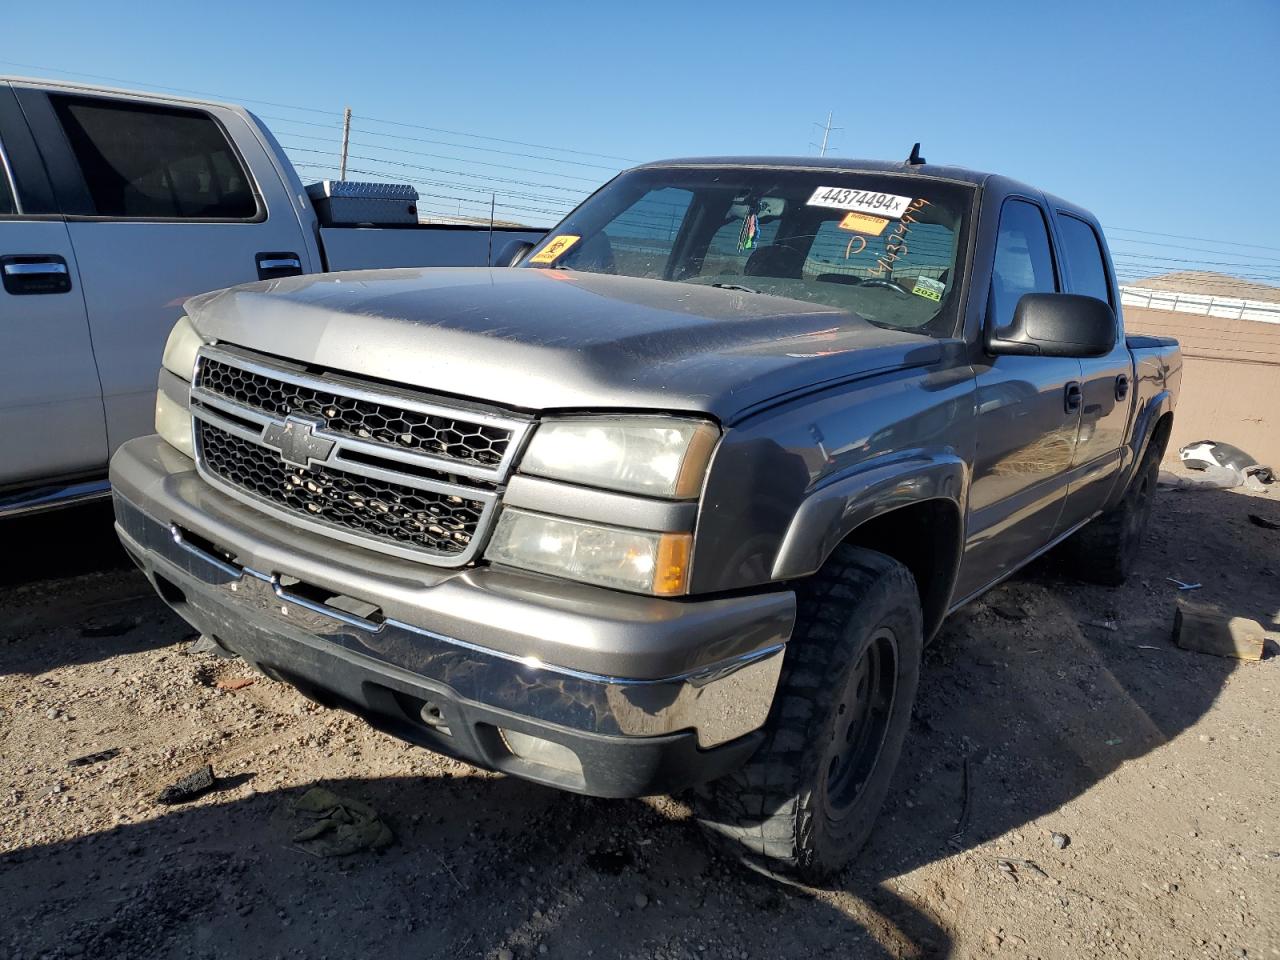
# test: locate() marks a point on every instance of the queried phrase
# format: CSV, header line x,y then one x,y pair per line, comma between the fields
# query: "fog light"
x,y
544,752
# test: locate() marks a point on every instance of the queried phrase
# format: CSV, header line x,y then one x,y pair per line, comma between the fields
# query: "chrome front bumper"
x,y
523,646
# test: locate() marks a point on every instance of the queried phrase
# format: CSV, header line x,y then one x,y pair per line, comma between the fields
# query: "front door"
x,y
51,423
1027,417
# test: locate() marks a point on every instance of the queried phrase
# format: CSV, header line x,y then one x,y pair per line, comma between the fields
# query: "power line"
x,y
292,106
1179,236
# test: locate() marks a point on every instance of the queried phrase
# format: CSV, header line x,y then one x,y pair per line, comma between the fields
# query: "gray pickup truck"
x,y
676,501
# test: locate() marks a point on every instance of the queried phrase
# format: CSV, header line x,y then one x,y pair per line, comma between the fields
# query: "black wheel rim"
x,y
1135,521
861,723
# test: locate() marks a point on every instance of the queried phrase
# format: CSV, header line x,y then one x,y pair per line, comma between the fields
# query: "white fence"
x,y
1229,308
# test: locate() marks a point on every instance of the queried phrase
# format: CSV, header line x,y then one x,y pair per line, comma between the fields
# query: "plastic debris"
x,y
92,758
1223,466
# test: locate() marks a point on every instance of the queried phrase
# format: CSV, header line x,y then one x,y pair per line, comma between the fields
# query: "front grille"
x,y
436,522
440,435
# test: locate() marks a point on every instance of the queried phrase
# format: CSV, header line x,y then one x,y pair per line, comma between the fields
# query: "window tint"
x,y
155,162
1023,262
1083,256
637,242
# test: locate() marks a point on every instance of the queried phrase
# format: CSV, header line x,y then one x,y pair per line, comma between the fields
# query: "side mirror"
x,y
513,253
1057,325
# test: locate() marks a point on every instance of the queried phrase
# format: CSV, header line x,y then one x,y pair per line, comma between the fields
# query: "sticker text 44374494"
x,y
864,201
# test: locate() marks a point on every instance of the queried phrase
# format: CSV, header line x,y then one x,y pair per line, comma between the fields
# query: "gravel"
x,y
1092,736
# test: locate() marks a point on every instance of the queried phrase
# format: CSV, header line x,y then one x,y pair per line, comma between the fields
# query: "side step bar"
x,y
52,497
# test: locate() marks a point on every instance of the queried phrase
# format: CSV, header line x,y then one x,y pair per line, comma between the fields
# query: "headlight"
x,y
173,422
657,456
635,560
180,349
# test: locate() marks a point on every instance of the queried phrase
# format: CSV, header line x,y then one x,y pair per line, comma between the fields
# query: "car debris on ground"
x,y
338,826
195,784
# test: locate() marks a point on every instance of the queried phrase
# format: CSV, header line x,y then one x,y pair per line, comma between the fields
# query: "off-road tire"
x,y
1105,549
799,806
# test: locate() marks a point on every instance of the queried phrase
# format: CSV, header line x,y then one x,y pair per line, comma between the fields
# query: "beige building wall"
x,y
1230,379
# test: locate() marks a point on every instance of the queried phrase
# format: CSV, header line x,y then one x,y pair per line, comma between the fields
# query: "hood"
x,y
553,339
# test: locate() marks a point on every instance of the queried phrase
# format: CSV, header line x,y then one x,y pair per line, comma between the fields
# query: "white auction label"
x,y
863,201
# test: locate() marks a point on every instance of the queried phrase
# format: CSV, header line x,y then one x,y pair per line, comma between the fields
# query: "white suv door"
x,y
163,201
51,419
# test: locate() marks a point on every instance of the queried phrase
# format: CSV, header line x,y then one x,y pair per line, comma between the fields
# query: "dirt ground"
x,y
1047,707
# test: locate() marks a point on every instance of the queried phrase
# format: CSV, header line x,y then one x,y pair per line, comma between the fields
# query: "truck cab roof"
x,y
933,171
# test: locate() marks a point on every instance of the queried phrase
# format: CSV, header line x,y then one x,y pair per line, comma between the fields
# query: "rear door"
x,y
51,422
1105,381
162,201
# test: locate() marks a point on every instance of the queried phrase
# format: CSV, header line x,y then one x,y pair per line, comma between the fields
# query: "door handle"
x,y
25,274
1073,396
273,265
1122,386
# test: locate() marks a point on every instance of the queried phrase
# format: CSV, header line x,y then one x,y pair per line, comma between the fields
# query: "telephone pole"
x,y
827,129
346,140
822,150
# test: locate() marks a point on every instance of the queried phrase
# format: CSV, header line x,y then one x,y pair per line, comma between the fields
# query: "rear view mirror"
x,y
1057,325
512,253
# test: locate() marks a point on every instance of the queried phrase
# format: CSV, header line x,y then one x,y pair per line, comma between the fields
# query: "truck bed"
x,y
444,245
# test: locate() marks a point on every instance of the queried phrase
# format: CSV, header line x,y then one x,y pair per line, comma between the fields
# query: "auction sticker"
x,y
863,201
861,223
929,288
553,250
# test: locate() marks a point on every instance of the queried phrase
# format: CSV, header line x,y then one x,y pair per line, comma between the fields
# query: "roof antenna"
x,y
915,159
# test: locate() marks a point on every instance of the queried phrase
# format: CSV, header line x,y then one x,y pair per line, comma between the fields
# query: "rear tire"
x,y
806,801
1105,550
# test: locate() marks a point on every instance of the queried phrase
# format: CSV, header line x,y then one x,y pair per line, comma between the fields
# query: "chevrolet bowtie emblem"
x,y
295,438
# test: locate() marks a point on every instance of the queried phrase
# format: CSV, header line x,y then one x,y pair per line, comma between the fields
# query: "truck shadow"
x,y
59,544
70,595
1031,696
480,864
1042,688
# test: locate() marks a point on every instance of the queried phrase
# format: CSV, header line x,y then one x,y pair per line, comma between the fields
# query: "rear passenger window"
x,y
1023,261
1083,256
147,162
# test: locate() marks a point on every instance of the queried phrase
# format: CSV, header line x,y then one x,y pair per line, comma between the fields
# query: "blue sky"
x,y
1158,116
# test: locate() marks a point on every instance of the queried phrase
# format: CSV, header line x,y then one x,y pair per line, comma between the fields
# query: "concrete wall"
x,y
1230,379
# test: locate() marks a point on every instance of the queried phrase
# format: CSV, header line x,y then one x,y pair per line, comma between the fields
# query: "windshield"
x,y
883,246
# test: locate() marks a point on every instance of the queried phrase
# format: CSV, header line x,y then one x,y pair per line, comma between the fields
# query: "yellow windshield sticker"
x,y
929,288
553,250
864,224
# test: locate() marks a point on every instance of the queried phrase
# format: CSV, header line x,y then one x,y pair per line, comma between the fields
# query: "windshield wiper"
x,y
733,286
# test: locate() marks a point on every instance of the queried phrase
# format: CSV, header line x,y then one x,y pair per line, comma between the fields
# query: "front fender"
x,y
831,512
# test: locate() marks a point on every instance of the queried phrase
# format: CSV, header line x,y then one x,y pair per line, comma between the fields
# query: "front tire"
x,y
807,799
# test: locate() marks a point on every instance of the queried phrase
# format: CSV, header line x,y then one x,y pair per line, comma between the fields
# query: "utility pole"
x,y
827,130
346,140
822,150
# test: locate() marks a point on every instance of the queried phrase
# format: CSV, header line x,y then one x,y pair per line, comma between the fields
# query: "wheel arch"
x,y
911,510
